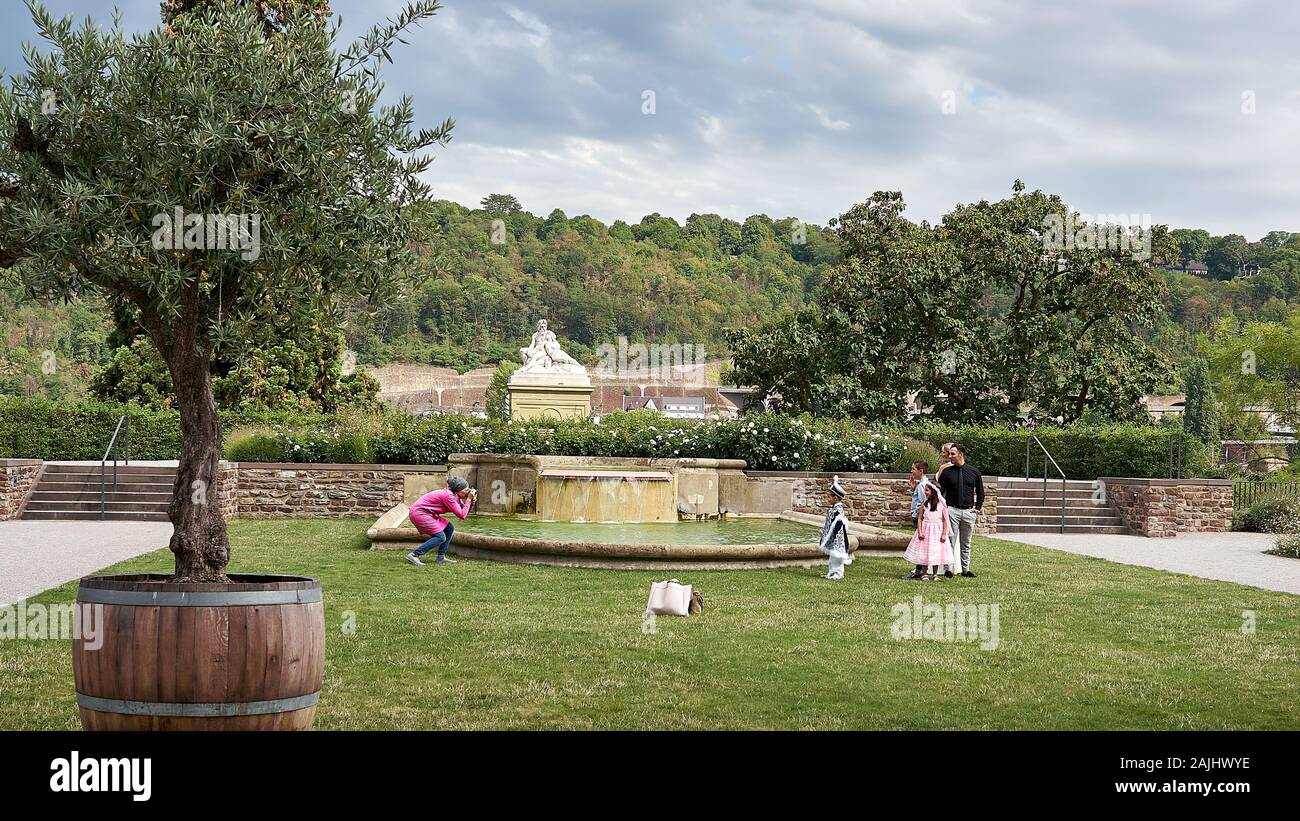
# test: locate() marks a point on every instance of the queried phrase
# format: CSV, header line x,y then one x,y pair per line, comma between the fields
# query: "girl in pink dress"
x,y
427,516
930,546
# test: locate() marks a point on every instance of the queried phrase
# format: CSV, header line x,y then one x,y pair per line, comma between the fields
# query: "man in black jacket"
x,y
963,491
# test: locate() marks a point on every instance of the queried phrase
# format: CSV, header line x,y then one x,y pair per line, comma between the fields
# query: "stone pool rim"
x,y
645,555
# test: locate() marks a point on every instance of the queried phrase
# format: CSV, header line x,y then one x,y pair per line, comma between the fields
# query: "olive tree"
x,y
228,169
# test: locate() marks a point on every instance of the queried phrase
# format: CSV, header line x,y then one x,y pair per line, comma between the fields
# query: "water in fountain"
x,y
610,496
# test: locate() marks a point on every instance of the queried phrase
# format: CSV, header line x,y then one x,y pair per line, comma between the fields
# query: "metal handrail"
x,y
124,428
1034,440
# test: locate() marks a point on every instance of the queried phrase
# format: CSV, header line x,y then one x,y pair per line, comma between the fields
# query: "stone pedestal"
x,y
552,396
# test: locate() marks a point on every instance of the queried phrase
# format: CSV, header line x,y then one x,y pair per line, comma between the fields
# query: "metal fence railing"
x,y
1246,492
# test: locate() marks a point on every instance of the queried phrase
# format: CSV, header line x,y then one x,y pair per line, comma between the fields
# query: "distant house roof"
x,y
692,406
1191,267
738,397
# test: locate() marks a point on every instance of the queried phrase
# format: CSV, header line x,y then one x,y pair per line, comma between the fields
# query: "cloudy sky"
x,y
1187,110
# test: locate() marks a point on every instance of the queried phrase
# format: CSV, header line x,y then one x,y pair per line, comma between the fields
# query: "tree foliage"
x,y
215,115
1201,411
972,317
1257,368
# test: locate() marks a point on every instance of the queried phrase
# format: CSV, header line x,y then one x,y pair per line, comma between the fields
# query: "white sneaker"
x,y
414,559
445,560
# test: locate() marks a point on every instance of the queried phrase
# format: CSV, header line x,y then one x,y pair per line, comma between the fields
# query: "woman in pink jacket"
x,y
427,512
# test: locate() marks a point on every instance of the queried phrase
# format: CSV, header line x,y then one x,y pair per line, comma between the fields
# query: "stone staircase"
x,y
1022,508
70,491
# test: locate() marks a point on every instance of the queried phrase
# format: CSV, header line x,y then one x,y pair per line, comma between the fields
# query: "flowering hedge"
x,y
766,442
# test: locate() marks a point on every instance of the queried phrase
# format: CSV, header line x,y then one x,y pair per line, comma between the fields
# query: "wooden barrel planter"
x,y
242,656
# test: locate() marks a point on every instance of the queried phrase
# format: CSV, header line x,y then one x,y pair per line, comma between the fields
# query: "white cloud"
x,y
803,107
826,120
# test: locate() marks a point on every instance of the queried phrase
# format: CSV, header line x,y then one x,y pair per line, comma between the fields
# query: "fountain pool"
x,y
706,532
724,544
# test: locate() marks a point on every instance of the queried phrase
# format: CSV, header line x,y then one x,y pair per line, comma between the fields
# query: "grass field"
x,y
1082,644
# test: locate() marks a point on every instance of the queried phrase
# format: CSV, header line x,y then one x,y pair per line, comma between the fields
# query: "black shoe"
x,y
947,574
913,576
968,574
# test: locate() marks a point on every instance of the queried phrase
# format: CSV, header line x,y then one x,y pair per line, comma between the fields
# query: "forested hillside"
x,y
491,272
494,271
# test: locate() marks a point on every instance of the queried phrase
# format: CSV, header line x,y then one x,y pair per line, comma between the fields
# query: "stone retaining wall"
x,y
255,490
880,499
1166,507
1148,507
17,478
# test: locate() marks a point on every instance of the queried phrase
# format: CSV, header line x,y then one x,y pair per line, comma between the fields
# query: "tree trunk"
x,y
199,541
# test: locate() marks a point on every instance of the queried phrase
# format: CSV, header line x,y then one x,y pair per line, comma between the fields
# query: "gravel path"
x,y
1229,557
38,555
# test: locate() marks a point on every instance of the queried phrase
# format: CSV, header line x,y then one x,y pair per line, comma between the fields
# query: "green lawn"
x,y
1083,644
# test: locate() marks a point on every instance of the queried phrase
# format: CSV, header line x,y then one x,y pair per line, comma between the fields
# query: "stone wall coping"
x,y
17,463
555,460
811,474
807,474
339,467
1167,482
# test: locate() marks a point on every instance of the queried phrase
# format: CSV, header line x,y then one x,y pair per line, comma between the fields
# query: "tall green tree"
x,y
1193,243
267,139
979,318
1226,255
1201,411
1256,369
501,205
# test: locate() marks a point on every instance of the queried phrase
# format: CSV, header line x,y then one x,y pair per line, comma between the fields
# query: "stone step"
x,y
1039,504
35,506
123,485
1098,529
82,515
110,495
59,469
1052,493
1018,484
150,477
1108,520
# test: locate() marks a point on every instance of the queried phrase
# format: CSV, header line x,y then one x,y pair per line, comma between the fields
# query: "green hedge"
x,y
76,431
41,429
80,431
1082,451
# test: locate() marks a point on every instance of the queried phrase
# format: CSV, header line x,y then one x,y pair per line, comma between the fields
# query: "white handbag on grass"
x,y
670,598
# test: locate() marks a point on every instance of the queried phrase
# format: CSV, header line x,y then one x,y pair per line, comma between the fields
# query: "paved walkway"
x,y
38,555
1229,557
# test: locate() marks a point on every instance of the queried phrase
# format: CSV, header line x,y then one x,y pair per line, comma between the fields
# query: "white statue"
x,y
544,354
